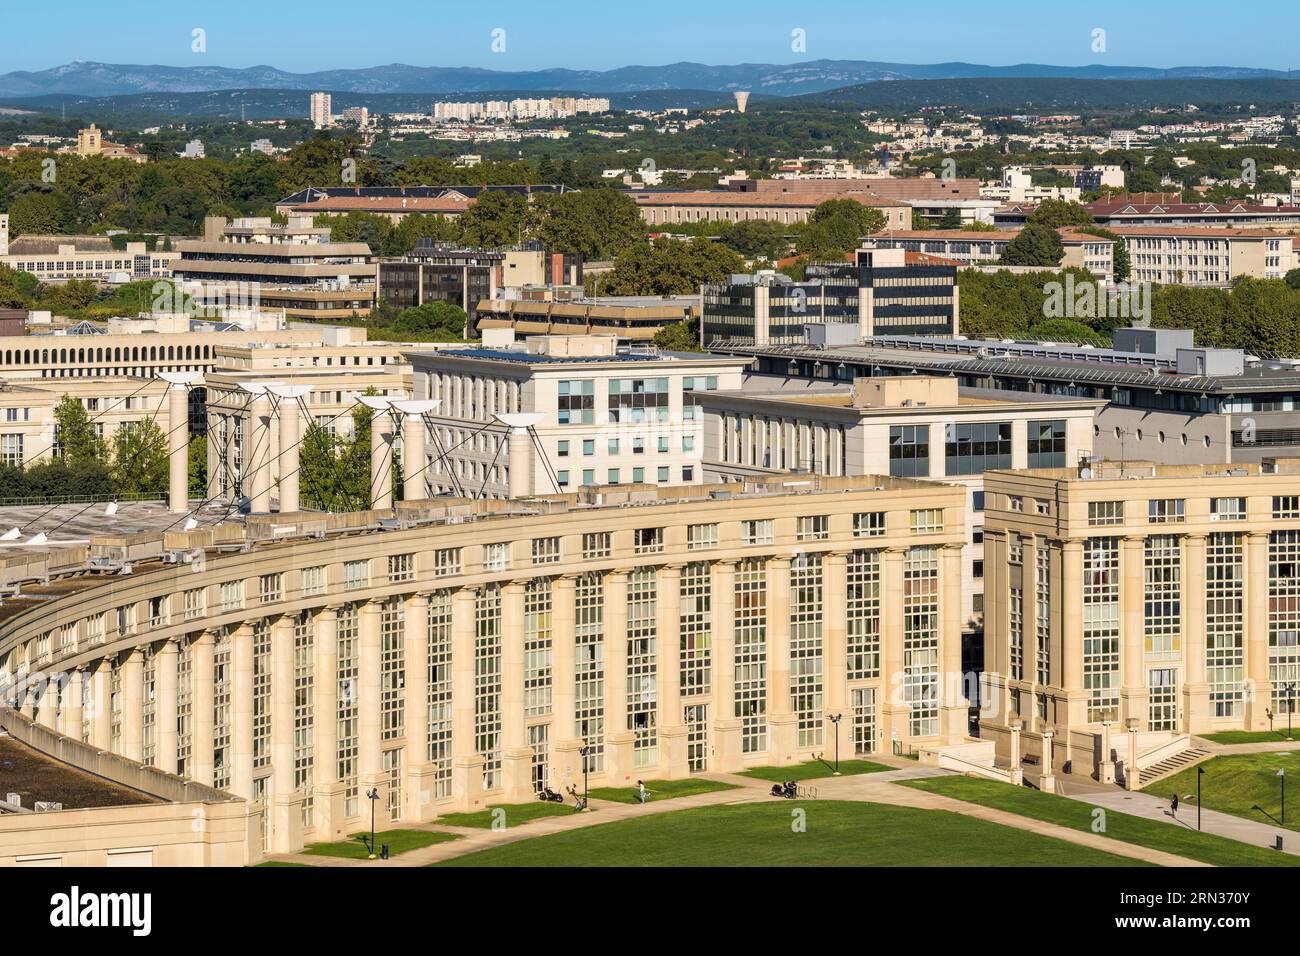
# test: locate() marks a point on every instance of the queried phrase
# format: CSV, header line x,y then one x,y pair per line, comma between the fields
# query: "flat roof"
x,y
35,776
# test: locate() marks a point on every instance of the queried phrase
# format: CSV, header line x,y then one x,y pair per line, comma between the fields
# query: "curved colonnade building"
x,y
448,653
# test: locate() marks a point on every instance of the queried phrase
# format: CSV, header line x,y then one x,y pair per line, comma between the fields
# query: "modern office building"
x,y
912,426
1129,605
1168,400
547,311
593,414
884,292
1205,256
258,250
458,653
55,259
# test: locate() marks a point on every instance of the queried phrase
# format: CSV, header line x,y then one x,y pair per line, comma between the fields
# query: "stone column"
x,y
370,766
167,677
955,707
1259,684
1029,577
178,449
202,715
520,461
467,761
258,464
727,746
131,739
419,773
1047,782
516,755
835,636
619,759
70,715
894,712
381,460
1106,763
1071,602
1132,639
328,792
1132,776
566,759
1015,725
414,474
47,704
671,720
1196,692
996,693
783,738
290,420
241,711
285,808
101,705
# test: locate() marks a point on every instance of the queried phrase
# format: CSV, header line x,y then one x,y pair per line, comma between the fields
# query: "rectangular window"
x,y
1286,506
496,557
1162,596
869,524
576,402
1046,444
909,451
638,400
814,528
648,540
756,532
750,633
232,595
1103,513
446,561
926,521
863,613
401,567
269,588
596,544
1166,510
356,574
313,580
546,550
1227,509
701,537
973,448
1101,626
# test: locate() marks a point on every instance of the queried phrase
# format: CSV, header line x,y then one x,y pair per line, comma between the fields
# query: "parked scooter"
x,y
547,795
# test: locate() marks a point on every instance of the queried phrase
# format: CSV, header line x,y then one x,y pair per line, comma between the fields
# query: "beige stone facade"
x,y
463,653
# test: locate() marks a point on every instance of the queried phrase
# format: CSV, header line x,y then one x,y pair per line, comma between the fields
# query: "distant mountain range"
x,y
814,76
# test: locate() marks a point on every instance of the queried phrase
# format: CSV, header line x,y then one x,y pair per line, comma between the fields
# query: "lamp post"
x,y
1200,772
835,719
1281,775
586,752
374,799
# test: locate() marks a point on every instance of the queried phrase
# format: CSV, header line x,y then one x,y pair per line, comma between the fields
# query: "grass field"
x,y
1077,815
515,814
763,834
1251,736
399,841
661,790
1245,785
812,770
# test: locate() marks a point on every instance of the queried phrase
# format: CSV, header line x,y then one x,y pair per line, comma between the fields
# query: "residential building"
x,y
603,415
54,259
670,208
1082,251
1205,256
321,112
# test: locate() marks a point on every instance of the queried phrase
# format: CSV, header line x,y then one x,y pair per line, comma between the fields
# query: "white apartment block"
x,y
1205,256
597,415
322,115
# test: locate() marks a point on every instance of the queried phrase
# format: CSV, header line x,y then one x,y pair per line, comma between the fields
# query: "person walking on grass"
x,y
641,790
1173,806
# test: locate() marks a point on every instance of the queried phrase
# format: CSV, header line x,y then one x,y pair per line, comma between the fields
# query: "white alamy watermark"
x,y
75,909
1093,300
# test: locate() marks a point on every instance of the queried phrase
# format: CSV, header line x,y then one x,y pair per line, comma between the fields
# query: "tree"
x,y
198,467
76,438
836,226
1066,330
1060,212
976,226
951,218
495,219
1293,278
596,223
680,336
140,459
756,239
437,320
671,267
1034,246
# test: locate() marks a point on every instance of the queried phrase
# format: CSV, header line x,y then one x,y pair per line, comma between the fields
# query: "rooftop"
x,y
37,777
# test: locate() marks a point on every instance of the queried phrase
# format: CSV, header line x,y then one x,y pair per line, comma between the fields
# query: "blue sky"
x,y
330,34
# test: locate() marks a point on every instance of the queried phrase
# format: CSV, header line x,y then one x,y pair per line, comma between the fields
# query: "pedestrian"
x,y
640,790
1173,806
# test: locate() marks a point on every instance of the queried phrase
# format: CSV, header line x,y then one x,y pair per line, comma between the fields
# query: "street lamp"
x,y
586,752
374,799
1281,774
835,719
1200,772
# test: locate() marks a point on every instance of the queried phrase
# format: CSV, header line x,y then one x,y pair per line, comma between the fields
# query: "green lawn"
x,y
838,833
399,841
1251,736
661,790
813,769
1077,815
1245,785
515,814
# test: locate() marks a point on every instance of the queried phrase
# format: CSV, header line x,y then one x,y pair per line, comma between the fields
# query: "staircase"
x,y
1172,764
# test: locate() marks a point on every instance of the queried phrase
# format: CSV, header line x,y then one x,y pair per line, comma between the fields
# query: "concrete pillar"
x,y
285,808
131,735
1259,685
101,705
327,807
835,637
564,676
619,759
257,462
70,715
782,722
1017,773
202,681
166,676
954,724
894,712
516,755
178,449
370,767
418,784
1133,689
520,462
381,460
241,711
47,704
1072,617
727,746
1196,691
1029,577
414,475
1047,782
1106,763
467,762
1132,776
672,721
290,421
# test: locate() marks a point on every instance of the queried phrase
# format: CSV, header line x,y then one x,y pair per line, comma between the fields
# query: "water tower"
x,y
741,100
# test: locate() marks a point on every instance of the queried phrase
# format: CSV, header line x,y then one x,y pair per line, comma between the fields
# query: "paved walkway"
x,y
1212,821
1269,746
879,787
